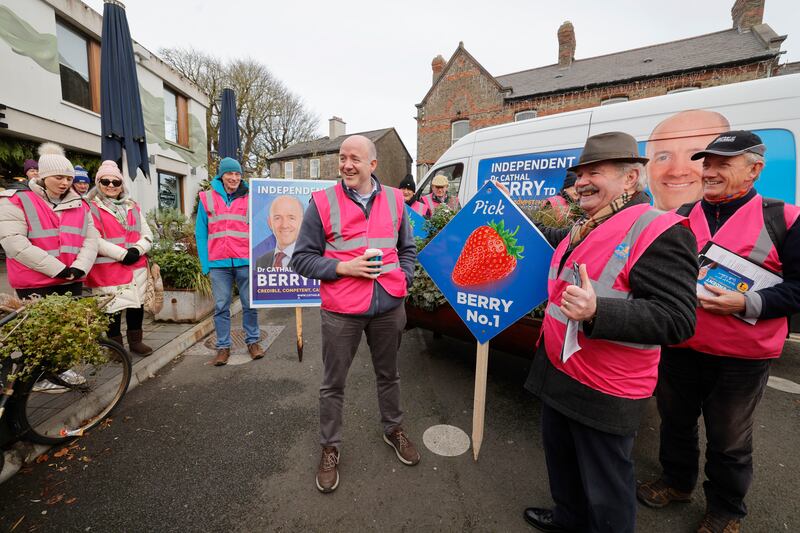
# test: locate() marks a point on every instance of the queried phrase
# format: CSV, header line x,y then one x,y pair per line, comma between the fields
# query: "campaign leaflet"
x,y
276,212
490,262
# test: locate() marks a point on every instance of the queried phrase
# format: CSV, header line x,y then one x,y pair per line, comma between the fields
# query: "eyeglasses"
x,y
110,183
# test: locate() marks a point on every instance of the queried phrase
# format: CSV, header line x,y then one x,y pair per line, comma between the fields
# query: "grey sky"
x,y
369,61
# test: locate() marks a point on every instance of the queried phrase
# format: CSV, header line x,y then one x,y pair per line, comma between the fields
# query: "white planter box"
x,y
183,305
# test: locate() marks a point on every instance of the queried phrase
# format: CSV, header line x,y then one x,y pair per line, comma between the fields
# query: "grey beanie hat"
x,y
52,161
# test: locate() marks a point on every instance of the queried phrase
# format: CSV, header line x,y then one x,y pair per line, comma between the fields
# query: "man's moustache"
x,y
586,188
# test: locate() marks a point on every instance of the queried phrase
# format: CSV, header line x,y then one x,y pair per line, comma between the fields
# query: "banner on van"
x,y
277,208
529,177
490,262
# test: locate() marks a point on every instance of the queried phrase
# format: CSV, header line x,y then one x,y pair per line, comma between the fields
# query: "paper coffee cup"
x,y
374,254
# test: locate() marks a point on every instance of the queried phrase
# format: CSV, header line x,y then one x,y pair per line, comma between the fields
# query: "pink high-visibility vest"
x,y
348,234
107,271
59,234
431,205
560,206
744,233
622,369
228,227
419,207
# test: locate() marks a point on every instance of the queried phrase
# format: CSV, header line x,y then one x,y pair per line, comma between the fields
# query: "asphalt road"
x,y
200,448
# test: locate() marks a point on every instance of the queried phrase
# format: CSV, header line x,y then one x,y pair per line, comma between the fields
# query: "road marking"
x,y
784,385
446,440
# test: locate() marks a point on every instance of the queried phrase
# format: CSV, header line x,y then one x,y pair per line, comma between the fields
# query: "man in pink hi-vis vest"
x,y
721,371
621,283
342,223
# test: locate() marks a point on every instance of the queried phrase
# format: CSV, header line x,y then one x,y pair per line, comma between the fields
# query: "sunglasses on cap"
x,y
110,183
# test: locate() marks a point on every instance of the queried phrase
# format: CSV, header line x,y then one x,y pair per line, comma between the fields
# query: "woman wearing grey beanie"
x,y
47,232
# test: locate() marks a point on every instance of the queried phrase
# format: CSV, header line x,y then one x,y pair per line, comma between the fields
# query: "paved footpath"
x,y
200,448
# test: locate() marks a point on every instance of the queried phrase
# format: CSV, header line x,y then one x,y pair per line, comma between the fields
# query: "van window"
x,y
453,173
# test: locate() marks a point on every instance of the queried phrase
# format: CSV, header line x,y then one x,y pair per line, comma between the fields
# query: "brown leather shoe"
x,y
222,356
135,344
713,523
255,350
403,447
328,471
658,494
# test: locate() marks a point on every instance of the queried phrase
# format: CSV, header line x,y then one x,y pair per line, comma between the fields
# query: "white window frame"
x,y
520,115
313,169
288,170
453,138
682,90
614,100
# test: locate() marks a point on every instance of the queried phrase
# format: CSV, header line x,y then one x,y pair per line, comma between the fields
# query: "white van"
x,y
531,156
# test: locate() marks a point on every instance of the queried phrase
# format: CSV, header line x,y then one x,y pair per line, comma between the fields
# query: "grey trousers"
x,y
341,335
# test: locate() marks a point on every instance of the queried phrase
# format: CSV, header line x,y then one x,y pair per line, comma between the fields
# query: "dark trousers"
x,y
591,475
133,319
75,288
726,390
341,335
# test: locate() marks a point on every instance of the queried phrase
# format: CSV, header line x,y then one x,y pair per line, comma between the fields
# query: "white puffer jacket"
x,y
129,295
14,234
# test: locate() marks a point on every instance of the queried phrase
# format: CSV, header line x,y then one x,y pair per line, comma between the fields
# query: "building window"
x,y
525,115
79,66
614,100
682,90
176,117
169,191
288,170
313,169
458,129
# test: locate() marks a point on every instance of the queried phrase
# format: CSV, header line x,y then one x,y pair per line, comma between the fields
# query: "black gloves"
x,y
76,273
131,257
64,274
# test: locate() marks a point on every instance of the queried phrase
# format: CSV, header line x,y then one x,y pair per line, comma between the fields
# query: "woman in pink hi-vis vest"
x,y
46,231
121,266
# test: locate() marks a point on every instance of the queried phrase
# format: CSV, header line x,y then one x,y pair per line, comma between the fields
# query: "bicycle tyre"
x,y
56,418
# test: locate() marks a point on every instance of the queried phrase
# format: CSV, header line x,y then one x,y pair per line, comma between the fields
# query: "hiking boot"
x,y
658,494
135,344
403,447
222,356
328,471
255,350
713,523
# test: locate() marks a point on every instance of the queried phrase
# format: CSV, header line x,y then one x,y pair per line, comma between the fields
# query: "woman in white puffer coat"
x,y
121,266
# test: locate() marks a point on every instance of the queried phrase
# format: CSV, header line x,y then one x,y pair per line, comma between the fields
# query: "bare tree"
x,y
270,116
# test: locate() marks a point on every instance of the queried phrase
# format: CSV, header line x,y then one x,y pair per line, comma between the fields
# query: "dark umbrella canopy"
x,y
229,141
121,121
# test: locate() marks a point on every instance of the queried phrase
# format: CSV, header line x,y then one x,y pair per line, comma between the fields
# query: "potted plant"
x,y
426,306
187,291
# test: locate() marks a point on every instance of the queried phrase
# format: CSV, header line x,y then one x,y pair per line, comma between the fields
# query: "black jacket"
x,y
661,311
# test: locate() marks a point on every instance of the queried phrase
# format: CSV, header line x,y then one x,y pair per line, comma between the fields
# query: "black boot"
x,y
135,344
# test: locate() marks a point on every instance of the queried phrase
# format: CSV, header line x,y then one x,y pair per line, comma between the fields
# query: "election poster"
x,y
490,262
276,211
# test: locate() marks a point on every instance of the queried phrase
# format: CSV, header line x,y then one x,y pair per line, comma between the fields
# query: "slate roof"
x,y
790,68
713,49
325,145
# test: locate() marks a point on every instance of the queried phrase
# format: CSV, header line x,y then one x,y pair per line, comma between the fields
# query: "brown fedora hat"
x,y
612,146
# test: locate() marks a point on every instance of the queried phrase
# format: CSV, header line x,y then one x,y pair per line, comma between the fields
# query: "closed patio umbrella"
x,y
229,141
121,121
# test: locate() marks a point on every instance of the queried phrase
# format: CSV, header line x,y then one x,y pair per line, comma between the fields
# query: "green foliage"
x,y
180,270
14,152
175,251
54,334
424,293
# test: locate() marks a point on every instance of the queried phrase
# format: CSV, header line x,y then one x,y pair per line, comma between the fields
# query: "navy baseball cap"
x,y
733,143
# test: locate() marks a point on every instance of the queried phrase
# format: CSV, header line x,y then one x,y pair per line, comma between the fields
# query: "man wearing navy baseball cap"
x,y
722,370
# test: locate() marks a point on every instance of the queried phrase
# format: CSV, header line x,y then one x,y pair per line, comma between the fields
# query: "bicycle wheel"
x,y
82,397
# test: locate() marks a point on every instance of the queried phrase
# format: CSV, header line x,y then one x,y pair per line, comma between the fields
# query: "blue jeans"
x,y
222,280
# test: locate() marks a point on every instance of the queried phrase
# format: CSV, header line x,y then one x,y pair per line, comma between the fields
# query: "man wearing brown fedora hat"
x,y
722,370
621,283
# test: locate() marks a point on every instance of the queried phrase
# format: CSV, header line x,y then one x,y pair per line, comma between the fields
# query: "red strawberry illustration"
x,y
490,254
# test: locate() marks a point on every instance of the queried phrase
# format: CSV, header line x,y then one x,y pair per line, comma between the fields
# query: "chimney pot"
x,y
566,44
746,14
437,66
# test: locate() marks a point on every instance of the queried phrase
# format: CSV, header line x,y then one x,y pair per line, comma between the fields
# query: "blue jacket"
x,y
201,228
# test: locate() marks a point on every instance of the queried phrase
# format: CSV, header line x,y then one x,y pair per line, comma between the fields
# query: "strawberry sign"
x,y
490,262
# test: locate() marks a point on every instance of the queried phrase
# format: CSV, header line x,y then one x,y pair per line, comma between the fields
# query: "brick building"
x,y
464,96
319,159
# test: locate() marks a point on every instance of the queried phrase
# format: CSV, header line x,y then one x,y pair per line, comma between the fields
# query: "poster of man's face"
x,y
277,209
673,178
